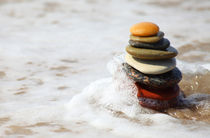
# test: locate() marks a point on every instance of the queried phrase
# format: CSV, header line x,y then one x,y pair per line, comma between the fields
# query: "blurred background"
x,y
51,49
89,33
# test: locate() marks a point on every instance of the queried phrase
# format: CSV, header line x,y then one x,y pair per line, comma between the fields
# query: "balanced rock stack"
x,y
151,64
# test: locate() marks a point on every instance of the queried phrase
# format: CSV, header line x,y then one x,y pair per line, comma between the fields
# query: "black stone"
x,y
154,81
160,45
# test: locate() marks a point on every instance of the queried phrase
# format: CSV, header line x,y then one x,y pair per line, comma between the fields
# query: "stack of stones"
x,y
151,63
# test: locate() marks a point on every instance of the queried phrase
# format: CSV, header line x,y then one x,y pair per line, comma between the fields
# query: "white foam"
x,y
112,103
206,66
192,68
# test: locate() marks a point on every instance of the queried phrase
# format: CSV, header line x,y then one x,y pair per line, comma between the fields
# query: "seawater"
x,y
112,104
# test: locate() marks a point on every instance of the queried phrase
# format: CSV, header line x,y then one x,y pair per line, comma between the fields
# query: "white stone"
x,y
151,66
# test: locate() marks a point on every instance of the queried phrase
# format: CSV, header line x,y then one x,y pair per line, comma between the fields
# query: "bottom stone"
x,y
159,105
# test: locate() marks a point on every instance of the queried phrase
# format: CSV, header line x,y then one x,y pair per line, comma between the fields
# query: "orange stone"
x,y
144,29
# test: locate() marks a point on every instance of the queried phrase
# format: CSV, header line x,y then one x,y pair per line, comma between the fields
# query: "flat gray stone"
x,y
160,45
151,54
154,81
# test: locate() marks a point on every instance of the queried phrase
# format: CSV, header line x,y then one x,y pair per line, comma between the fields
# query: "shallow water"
x,y
54,80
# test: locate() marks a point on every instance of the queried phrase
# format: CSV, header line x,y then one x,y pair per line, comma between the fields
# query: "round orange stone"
x,y
144,29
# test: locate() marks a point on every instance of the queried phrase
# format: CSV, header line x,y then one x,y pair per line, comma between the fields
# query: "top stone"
x,y
144,29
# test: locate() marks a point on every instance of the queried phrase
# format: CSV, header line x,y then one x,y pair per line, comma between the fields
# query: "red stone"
x,y
158,99
159,94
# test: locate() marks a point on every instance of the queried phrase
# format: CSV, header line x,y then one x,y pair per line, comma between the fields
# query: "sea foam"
x,y
111,104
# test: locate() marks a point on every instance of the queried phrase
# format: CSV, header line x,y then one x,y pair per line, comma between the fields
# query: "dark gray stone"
x,y
160,45
154,81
